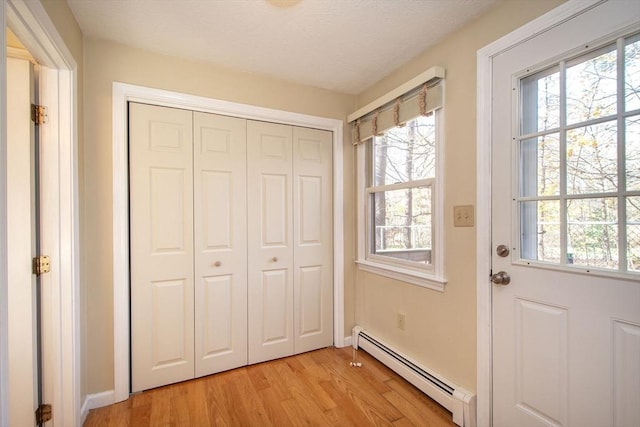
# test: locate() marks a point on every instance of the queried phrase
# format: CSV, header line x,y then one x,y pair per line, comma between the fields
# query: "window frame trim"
x,y
431,277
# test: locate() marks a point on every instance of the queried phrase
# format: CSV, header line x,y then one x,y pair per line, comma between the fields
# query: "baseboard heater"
x,y
461,403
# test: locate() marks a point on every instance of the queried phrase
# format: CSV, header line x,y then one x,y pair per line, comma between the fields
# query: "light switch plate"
x,y
463,216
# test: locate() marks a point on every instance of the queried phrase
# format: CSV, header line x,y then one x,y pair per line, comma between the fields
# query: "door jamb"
x,y
485,57
123,93
60,220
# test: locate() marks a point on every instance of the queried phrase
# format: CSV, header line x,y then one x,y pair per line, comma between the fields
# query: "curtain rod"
x,y
431,74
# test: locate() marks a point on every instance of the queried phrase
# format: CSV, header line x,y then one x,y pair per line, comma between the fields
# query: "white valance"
x,y
421,95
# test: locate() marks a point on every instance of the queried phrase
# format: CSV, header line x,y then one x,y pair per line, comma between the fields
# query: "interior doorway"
x,y
60,223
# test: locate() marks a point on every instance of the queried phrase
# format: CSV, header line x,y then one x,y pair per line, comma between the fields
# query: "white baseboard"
x,y
97,400
348,341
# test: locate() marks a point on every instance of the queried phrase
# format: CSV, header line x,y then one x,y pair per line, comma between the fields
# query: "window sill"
x,y
418,278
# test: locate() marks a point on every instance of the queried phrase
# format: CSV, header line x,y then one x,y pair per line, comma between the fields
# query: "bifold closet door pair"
x,y
230,242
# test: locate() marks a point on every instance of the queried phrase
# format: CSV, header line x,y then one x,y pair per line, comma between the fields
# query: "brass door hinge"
x,y
38,114
43,413
41,265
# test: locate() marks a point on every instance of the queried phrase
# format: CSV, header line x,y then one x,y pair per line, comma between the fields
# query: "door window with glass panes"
x,y
578,139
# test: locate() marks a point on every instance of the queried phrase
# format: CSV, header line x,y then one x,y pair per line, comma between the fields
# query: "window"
x,y
578,136
401,174
401,203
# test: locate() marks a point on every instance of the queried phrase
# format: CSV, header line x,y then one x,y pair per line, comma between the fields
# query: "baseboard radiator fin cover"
x,y
460,402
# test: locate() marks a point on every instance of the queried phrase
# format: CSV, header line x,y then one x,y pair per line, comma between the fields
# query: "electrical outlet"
x,y
463,216
401,321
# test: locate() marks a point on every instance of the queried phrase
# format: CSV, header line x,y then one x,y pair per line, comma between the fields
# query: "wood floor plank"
x,y
354,389
273,405
318,388
412,412
349,408
404,422
423,402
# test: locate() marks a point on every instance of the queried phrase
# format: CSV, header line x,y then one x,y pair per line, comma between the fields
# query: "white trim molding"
x,y
485,58
4,278
97,400
124,93
59,207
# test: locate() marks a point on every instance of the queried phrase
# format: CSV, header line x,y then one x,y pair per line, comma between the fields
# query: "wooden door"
x,y
22,348
162,255
220,201
312,239
566,202
270,241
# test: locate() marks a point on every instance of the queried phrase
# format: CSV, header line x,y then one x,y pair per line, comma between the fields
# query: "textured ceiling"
x,y
340,45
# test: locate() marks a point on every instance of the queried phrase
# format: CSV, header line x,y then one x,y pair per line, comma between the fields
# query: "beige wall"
x,y
107,62
12,40
441,327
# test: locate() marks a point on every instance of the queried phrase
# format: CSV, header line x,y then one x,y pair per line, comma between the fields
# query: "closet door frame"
x,y
125,93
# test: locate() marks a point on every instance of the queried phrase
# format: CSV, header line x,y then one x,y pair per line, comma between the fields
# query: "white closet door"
x,y
161,204
312,239
270,231
220,202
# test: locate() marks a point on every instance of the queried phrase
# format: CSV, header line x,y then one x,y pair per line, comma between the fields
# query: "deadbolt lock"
x,y
502,250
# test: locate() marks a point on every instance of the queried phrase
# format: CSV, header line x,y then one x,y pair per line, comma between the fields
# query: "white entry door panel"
x,y
270,248
312,236
220,202
162,259
566,329
21,293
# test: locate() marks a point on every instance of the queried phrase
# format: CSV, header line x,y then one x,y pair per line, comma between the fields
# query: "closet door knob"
x,y
274,259
217,264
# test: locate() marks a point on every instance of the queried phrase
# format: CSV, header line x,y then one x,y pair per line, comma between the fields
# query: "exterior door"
x,y
162,254
270,231
220,198
312,239
21,235
566,224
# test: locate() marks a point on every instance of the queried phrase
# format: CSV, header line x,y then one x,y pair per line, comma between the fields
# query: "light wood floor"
x,y
318,388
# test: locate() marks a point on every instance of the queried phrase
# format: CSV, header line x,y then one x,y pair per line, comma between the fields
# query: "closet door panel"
x,y
161,213
270,233
220,214
312,239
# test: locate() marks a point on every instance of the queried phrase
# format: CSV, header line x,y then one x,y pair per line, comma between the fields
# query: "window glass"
x,y
540,164
541,92
406,153
632,153
578,196
592,159
544,216
402,224
633,233
591,87
632,75
592,228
